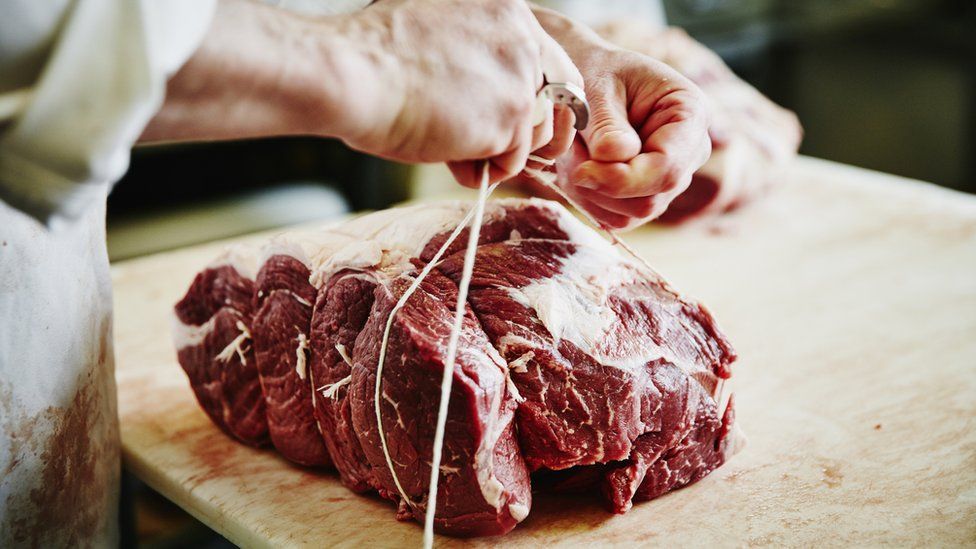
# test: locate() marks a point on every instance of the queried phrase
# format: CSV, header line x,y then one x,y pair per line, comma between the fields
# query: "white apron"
x,y
59,455
79,80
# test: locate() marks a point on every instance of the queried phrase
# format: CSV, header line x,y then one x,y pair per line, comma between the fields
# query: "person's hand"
x,y
647,135
455,81
753,139
411,80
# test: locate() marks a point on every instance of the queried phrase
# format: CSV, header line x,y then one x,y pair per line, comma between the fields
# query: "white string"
x,y
236,346
330,390
342,353
447,377
614,238
542,160
301,357
386,337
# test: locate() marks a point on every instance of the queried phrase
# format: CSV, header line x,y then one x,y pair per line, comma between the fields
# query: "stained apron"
x,y
59,449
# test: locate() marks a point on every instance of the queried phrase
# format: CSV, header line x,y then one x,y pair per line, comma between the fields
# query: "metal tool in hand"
x,y
570,95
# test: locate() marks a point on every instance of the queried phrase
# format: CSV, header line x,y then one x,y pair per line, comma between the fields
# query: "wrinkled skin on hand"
x,y
456,81
648,130
753,139
410,80
648,135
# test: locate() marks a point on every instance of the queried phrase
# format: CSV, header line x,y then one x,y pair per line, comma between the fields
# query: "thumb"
x,y
609,135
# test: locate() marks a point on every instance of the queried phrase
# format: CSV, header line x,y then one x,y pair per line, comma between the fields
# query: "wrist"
x,y
580,41
351,77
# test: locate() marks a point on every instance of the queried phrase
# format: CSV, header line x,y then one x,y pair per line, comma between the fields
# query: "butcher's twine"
x,y
548,180
236,346
447,376
476,212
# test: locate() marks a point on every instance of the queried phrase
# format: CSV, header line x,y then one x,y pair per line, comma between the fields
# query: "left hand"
x,y
648,130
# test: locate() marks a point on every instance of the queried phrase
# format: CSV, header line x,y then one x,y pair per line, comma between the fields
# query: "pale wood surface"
x,y
851,298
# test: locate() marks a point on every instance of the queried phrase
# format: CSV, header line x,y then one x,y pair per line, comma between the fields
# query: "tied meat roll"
x,y
576,366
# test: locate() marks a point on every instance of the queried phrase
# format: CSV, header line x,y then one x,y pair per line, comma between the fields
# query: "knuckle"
x,y
519,111
497,145
671,178
617,176
645,207
668,184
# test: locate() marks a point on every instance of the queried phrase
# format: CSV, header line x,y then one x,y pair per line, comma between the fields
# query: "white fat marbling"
x,y
237,345
188,335
518,365
574,306
573,303
518,511
510,339
387,239
242,257
491,488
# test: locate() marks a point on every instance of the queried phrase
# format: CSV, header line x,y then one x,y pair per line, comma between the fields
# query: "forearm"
x,y
263,71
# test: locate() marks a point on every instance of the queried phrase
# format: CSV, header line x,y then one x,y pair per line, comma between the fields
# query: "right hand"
x,y
452,81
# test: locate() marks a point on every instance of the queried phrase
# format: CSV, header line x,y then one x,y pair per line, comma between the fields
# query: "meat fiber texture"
x,y
577,368
211,330
753,139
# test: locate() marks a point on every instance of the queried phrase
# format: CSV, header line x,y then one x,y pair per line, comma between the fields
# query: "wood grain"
x,y
851,298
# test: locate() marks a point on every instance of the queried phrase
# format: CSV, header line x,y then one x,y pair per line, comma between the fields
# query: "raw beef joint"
x,y
577,368
212,332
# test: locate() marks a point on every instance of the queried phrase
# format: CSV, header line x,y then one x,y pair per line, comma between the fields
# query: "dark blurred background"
x,y
884,84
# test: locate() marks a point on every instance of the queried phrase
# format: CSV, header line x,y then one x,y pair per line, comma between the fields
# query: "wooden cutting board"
x,y
851,298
